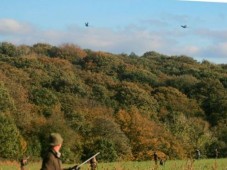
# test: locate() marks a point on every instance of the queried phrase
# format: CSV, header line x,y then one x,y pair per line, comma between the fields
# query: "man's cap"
x,y
55,139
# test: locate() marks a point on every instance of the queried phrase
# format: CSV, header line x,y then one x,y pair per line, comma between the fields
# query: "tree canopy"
x,y
124,106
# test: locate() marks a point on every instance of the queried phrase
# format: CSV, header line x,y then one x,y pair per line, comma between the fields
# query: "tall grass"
x,y
203,164
9,165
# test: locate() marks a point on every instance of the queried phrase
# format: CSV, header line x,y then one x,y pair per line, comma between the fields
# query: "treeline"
x,y
123,106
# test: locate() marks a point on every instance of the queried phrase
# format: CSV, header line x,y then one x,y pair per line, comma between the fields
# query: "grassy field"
x,y
203,164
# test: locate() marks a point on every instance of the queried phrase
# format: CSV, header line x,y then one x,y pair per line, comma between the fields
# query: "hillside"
x,y
123,106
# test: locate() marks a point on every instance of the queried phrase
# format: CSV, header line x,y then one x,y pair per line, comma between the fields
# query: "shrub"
x,y
10,139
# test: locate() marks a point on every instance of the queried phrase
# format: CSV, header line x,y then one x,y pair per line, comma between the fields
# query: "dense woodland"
x,y
123,106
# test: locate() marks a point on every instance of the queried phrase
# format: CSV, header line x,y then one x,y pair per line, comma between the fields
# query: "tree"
x,y
106,129
6,102
8,49
183,83
172,103
12,143
43,97
218,141
212,97
145,135
129,94
42,48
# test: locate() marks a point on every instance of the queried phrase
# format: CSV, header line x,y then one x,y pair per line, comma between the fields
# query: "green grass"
x,y
203,164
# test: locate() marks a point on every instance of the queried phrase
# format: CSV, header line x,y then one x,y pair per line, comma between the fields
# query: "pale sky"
x,y
121,26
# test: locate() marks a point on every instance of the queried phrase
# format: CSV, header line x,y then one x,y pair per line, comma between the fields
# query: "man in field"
x,y
155,156
216,153
197,154
51,160
23,162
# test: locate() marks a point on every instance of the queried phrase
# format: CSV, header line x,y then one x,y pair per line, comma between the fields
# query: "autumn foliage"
x,y
123,106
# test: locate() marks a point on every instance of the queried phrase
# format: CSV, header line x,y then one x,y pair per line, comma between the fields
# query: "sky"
x,y
121,26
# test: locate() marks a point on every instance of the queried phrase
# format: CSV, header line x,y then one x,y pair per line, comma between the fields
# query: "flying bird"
x,y
184,26
86,24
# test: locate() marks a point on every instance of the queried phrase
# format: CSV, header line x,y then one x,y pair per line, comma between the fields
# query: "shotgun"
x,y
78,166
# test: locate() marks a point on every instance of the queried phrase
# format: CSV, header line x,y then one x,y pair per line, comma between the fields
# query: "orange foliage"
x,y
146,135
140,130
57,62
71,49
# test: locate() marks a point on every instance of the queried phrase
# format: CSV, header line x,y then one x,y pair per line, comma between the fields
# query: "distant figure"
x,y
86,24
93,163
197,154
161,162
155,156
216,153
23,162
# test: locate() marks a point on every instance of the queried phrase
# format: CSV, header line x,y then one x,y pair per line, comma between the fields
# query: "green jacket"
x,y
52,161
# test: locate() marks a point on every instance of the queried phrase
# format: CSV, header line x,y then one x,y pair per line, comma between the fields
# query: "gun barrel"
x,y
88,160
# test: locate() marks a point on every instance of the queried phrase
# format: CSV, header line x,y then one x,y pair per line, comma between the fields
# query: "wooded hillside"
x,y
123,106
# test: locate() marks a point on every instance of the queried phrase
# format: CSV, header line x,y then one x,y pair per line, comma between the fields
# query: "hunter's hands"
x,y
24,162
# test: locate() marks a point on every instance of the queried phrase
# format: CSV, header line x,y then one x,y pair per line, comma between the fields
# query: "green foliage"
x,y
107,150
183,82
103,95
10,139
106,129
34,147
43,96
6,102
172,103
42,49
212,96
129,94
219,142
8,49
224,81
138,76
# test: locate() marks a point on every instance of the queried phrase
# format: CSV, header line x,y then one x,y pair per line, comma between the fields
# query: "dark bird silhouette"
x,y
184,26
86,24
